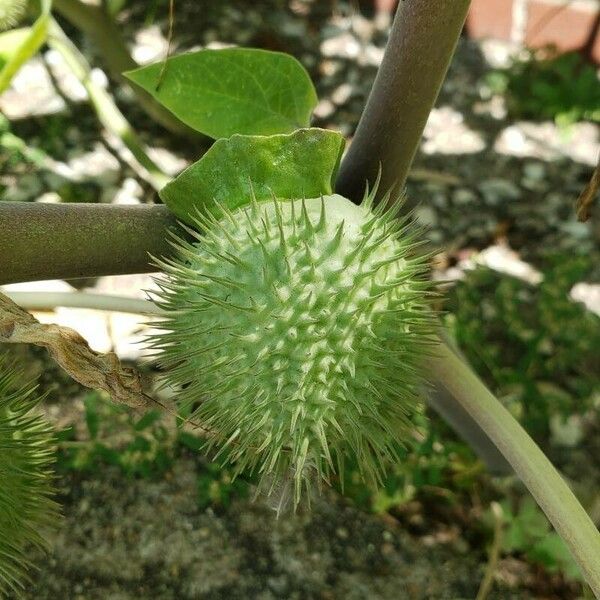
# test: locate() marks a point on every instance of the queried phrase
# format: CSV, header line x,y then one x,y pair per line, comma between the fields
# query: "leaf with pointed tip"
x,y
301,164
232,90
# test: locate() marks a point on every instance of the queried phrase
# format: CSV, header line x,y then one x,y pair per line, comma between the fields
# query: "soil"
x,y
130,539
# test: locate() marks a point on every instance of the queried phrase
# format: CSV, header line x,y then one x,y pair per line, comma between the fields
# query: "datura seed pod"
x,y
11,12
294,331
27,510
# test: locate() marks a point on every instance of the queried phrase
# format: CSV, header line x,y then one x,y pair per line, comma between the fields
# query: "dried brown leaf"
x,y
587,196
73,354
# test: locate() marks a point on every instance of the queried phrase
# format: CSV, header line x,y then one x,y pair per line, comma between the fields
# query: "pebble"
x,y
496,190
464,196
426,215
535,171
341,94
343,45
324,109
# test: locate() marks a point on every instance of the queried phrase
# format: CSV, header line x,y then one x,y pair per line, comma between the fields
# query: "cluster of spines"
x,y
370,427
11,11
27,450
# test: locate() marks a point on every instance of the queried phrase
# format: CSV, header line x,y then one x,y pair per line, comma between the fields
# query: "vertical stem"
x,y
530,464
422,42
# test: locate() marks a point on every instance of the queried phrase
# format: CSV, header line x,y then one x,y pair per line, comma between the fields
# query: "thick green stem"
x,y
69,241
422,42
530,464
108,113
106,36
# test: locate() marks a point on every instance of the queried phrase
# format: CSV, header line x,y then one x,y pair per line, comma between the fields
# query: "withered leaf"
x,y
73,354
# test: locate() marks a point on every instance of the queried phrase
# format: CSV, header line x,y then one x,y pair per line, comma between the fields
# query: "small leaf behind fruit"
x,y
301,164
233,90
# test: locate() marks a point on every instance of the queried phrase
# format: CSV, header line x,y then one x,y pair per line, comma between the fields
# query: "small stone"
x,y
426,215
278,584
324,109
575,229
49,198
362,27
372,55
130,192
29,187
98,164
534,171
329,68
341,94
343,44
496,190
463,196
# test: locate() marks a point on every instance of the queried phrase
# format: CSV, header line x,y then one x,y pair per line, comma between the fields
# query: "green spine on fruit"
x,y
294,331
11,12
26,455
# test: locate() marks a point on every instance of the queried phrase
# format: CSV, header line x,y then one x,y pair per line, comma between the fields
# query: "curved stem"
x,y
32,43
421,44
50,300
106,36
108,113
69,241
530,464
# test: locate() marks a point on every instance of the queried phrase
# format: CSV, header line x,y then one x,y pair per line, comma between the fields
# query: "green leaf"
x,y
234,90
301,164
553,553
92,418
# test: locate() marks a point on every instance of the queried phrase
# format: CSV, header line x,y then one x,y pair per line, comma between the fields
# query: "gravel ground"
x,y
140,539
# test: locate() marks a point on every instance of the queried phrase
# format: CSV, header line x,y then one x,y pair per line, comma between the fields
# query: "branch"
x,y
33,42
422,42
588,195
68,241
530,464
107,111
91,300
72,353
107,37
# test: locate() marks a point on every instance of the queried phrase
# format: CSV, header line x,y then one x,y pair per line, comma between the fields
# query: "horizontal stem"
x,y
50,300
70,241
530,464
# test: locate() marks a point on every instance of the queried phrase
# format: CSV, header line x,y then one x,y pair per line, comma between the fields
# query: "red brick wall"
x,y
566,24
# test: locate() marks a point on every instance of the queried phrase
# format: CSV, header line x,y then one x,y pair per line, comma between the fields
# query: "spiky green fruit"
x,y
11,12
294,329
26,506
